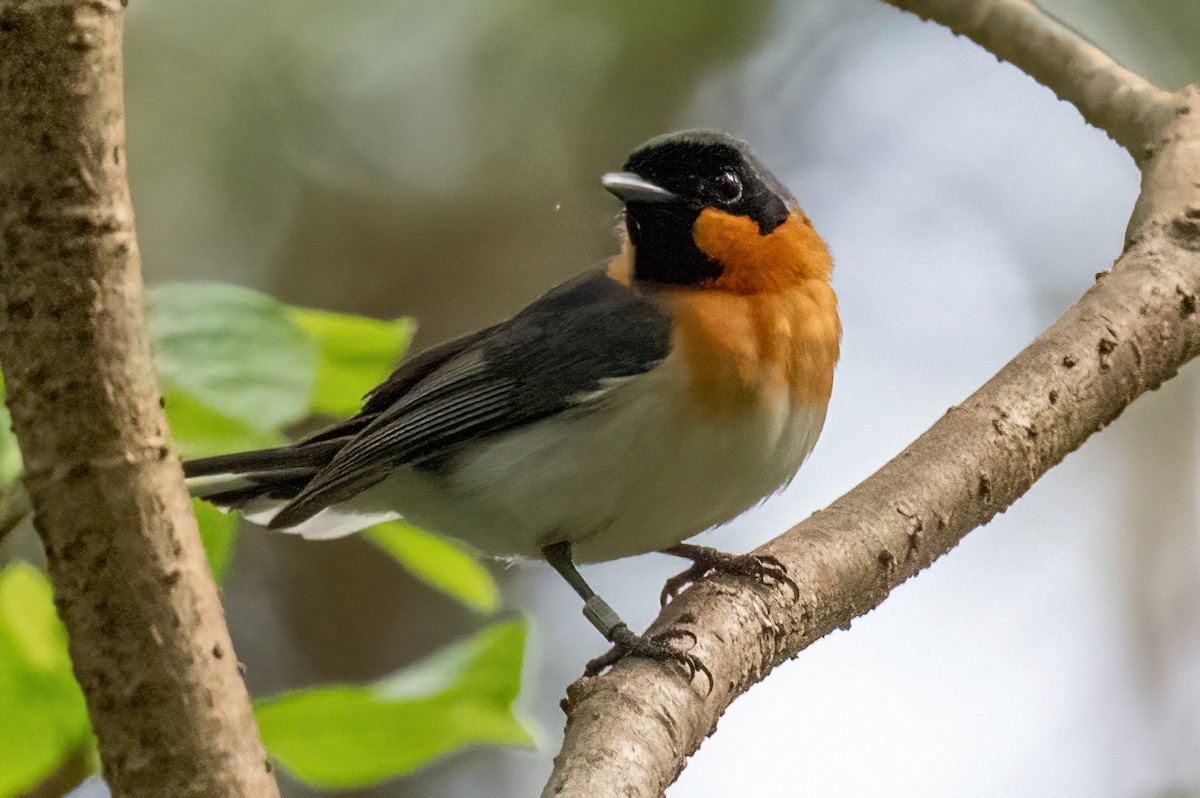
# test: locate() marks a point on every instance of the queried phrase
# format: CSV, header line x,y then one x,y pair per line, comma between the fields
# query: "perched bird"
x,y
623,412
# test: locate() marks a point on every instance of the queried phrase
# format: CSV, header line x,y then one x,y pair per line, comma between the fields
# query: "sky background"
x,y
442,161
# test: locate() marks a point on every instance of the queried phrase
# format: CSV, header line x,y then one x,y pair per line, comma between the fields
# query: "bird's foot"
x,y
662,647
762,568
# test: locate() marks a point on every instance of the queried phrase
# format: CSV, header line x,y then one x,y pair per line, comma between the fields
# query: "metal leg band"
x,y
602,616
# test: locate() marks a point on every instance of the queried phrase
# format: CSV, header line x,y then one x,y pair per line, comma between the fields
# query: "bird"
x,y
623,412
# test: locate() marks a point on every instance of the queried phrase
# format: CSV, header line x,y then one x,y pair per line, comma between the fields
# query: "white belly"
x,y
629,475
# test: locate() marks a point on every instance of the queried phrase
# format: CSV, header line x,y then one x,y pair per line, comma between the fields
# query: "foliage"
x,y
349,736
10,455
233,351
236,368
43,718
438,563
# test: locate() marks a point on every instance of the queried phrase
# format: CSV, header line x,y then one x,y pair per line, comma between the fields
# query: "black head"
x,y
670,179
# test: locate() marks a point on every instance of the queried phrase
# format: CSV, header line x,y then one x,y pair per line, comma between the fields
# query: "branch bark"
x,y
630,731
146,630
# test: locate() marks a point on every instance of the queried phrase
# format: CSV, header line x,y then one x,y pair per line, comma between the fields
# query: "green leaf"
x,y
356,354
43,717
233,350
217,531
200,431
348,736
439,563
10,453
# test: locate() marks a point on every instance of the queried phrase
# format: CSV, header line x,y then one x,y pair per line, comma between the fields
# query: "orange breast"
x,y
752,263
620,266
768,325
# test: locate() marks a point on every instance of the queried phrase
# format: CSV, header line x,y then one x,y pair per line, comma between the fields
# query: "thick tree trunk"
x,y
146,629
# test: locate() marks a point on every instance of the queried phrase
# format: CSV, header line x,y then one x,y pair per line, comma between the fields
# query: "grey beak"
x,y
632,188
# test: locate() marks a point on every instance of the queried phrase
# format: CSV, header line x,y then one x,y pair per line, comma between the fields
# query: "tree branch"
x,y
1122,103
630,731
146,630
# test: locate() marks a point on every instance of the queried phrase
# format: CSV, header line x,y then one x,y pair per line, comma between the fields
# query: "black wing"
x,y
534,365
284,472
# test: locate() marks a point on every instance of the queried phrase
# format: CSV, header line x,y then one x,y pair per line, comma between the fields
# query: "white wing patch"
x,y
607,386
332,522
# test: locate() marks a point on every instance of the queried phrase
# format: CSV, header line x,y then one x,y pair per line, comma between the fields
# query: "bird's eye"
x,y
727,187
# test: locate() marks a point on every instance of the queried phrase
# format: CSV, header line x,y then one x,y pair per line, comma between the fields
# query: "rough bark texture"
x,y
147,634
630,731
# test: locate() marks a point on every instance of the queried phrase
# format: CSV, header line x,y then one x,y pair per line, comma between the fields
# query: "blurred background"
x,y
441,160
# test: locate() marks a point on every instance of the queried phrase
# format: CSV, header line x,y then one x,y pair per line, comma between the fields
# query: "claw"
x,y
679,581
658,648
763,568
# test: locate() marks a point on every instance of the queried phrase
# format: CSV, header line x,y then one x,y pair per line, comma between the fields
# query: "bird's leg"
x,y
705,561
625,642
595,609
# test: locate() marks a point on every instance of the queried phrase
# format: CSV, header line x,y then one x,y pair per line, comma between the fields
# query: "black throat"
x,y
664,250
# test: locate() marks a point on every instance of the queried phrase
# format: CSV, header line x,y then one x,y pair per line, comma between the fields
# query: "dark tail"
x,y
236,480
